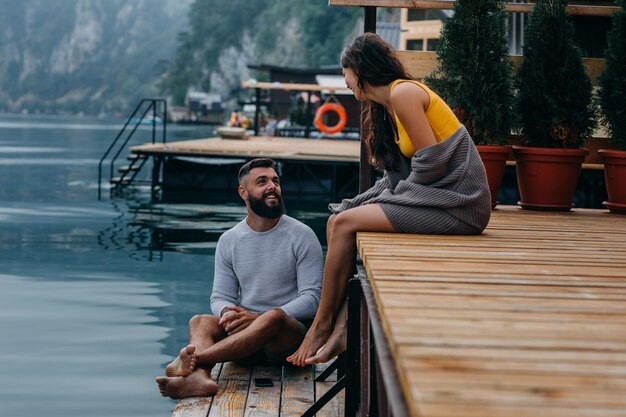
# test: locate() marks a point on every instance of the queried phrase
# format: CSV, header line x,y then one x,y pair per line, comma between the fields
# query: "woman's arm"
x,y
410,102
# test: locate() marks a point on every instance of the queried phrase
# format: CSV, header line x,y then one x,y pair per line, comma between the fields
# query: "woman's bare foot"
x,y
184,364
198,384
313,340
337,343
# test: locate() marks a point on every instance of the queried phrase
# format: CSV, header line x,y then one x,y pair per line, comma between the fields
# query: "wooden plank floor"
x,y
527,319
294,391
260,146
282,148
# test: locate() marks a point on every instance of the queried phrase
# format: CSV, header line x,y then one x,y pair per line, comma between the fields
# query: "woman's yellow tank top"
x,y
442,120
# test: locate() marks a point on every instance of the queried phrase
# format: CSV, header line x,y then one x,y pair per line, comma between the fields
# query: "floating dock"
x,y
280,148
307,166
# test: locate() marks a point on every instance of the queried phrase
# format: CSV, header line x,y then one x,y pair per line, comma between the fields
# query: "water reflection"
x,y
64,359
148,229
95,296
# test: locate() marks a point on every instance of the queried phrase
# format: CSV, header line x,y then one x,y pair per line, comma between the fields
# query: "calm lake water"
x,y
95,296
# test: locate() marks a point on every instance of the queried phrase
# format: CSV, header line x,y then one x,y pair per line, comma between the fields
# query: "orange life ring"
x,y
322,110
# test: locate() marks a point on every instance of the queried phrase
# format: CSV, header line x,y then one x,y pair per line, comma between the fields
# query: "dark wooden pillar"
x,y
365,170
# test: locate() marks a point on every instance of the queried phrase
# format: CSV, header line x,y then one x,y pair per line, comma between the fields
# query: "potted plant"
x,y
555,109
613,101
473,75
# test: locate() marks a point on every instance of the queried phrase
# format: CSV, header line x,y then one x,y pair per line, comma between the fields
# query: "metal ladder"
x,y
149,110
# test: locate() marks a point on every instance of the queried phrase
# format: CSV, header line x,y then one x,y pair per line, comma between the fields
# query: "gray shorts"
x,y
264,356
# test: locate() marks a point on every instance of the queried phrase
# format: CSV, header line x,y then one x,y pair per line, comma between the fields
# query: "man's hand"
x,y
235,319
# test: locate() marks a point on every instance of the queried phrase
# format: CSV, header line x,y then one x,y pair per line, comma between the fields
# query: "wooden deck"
x,y
259,146
527,319
298,149
294,391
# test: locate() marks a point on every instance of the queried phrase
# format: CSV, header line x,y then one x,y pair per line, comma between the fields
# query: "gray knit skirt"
x,y
442,189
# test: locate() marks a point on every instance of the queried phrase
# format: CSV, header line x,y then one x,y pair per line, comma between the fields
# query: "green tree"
x,y
474,70
555,104
613,79
216,25
213,25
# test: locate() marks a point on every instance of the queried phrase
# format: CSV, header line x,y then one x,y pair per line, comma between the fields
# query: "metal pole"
x,y
154,113
256,111
164,120
156,175
307,133
365,170
353,366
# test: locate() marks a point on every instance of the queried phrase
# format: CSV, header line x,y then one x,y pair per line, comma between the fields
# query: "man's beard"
x,y
261,209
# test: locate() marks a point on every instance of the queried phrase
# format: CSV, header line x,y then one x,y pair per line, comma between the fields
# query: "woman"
x,y
434,180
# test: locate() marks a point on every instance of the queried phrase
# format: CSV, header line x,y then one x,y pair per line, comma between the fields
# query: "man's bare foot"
x,y
337,343
198,384
184,364
162,383
313,340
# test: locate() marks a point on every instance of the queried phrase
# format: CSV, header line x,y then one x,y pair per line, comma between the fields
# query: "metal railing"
x,y
133,122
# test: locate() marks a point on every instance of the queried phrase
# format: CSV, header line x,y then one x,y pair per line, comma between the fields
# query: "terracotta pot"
x,y
615,178
494,159
547,177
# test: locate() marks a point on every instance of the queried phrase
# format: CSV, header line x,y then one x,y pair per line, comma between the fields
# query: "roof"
x,y
305,71
333,81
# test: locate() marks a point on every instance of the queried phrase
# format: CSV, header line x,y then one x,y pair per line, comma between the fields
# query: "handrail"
x,y
130,135
392,384
153,106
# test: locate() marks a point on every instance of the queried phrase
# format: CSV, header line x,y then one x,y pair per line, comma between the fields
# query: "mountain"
x,y
103,56
85,55
225,36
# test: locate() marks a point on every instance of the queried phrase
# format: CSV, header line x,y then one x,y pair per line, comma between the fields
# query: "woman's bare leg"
x,y
338,340
340,261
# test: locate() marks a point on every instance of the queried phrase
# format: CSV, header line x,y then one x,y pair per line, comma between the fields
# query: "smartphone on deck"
x,y
263,382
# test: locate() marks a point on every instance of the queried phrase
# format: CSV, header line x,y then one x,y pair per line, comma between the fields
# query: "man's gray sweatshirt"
x,y
279,268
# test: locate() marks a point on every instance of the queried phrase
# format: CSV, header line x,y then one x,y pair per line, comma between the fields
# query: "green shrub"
x,y
554,102
474,70
613,80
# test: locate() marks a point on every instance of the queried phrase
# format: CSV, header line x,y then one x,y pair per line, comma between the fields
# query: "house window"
x,y
416,14
415,45
431,44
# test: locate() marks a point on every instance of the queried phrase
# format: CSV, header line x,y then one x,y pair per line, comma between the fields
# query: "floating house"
x,y
200,107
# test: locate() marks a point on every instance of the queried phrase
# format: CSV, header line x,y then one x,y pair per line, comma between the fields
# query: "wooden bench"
x,y
294,391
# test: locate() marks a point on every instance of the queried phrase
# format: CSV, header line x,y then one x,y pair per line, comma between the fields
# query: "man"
x,y
268,278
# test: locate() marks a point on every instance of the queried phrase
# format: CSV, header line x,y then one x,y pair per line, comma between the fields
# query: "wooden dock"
x,y
280,148
294,391
527,319
297,149
309,166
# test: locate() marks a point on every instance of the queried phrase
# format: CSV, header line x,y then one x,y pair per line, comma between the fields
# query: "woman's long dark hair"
x,y
374,61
